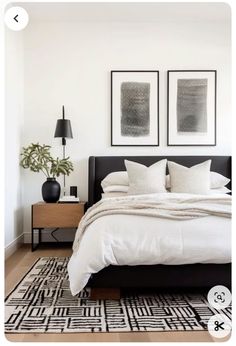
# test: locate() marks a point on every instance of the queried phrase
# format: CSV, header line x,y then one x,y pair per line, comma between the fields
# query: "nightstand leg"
x,y
34,247
40,236
32,240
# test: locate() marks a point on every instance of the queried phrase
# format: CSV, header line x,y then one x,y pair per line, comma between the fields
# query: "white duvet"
x,y
124,239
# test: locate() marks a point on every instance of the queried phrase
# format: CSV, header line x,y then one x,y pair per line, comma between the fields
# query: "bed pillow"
x,y
220,190
115,178
194,180
116,188
143,180
216,180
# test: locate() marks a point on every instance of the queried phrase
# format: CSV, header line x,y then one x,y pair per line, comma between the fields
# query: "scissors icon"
x,y
218,326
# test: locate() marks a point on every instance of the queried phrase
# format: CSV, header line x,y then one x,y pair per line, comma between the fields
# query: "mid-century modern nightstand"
x,y
54,215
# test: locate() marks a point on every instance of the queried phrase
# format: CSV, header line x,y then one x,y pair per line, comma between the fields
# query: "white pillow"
x,y
116,188
223,190
216,180
115,178
113,194
143,180
194,180
117,181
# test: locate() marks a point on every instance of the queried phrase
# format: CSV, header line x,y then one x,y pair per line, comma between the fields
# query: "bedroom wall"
x,y
14,85
70,62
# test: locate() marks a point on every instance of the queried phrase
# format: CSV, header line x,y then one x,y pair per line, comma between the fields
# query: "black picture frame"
x,y
214,105
157,131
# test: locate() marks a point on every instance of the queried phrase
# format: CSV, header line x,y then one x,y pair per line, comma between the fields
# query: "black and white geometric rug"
x,y
42,303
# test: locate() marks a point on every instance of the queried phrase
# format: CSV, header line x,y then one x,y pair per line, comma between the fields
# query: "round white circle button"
x,y
16,18
219,326
219,297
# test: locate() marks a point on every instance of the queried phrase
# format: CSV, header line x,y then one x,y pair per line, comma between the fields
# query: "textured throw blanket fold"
x,y
169,206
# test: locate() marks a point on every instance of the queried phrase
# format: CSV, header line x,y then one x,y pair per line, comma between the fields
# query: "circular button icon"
x,y
16,18
219,326
219,297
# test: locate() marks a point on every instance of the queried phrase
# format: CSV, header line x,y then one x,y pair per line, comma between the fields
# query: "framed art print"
x,y
191,107
134,108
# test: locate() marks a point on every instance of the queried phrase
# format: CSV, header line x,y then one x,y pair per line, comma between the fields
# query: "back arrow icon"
x,y
15,18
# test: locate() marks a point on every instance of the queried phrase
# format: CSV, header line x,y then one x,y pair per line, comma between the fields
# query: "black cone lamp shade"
x,y
63,128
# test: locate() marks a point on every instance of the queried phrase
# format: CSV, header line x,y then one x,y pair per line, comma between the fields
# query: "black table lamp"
x,y
63,130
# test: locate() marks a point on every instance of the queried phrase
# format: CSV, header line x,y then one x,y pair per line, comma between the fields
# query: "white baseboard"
x,y
13,246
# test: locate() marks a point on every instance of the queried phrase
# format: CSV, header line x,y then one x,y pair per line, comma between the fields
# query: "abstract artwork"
x,y
134,108
191,107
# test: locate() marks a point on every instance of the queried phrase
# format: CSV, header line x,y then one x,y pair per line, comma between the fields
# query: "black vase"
x,y
51,190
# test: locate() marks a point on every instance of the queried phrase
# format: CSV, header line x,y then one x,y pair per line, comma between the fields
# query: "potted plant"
x,y
37,158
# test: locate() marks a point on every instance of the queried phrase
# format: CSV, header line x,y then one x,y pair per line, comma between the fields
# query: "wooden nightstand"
x,y
54,215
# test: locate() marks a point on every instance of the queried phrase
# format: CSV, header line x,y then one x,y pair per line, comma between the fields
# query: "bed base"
x,y
198,276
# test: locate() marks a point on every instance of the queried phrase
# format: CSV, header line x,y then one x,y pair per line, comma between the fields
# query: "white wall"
x,y
70,62
14,86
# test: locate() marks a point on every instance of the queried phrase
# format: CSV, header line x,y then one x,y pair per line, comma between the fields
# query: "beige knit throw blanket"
x,y
164,205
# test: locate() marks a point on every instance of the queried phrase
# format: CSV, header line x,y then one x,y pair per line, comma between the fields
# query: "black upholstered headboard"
x,y
100,166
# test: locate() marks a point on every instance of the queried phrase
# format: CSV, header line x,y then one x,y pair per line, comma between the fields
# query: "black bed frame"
x,y
156,276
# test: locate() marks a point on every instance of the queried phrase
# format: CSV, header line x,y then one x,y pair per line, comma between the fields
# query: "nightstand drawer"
x,y
61,215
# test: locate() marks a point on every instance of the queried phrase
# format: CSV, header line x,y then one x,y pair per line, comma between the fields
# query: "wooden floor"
x,y
20,262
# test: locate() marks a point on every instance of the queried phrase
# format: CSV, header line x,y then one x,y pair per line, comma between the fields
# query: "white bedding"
x,y
135,240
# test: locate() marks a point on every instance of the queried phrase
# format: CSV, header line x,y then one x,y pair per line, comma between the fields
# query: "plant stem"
x,y
46,174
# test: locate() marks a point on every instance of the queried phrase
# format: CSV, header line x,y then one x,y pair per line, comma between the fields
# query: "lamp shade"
x,y
63,129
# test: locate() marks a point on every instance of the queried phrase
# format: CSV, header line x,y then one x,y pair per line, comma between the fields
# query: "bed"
x,y
195,275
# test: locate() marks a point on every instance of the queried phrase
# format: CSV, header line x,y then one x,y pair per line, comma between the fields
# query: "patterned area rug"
x,y
42,303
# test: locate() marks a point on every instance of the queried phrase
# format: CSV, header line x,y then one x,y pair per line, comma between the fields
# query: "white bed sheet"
x,y
136,240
